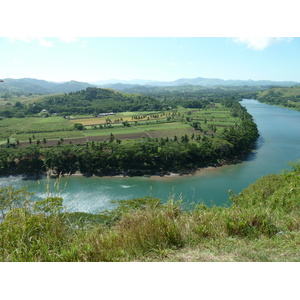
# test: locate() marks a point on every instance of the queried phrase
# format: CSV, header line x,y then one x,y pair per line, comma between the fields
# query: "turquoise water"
x,y
278,144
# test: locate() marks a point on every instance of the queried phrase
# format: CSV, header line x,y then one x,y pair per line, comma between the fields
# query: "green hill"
x,y
38,86
283,96
95,101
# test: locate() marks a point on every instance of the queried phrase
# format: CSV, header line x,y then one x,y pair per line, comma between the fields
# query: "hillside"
x,y
287,97
90,101
261,224
168,90
36,86
95,101
199,81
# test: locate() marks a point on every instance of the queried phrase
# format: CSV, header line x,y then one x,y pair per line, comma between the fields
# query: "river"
x,y
278,144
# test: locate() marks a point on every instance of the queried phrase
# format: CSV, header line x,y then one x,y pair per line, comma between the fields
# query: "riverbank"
x,y
261,224
277,145
159,176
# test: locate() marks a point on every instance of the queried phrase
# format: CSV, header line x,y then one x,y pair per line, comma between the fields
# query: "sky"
x,y
157,40
90,59
153,40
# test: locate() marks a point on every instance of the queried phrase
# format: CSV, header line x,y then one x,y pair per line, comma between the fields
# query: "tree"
x,y
18,104
184,139
111,138
78,126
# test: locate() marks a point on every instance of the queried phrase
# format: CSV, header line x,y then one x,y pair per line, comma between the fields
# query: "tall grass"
x,y
264,215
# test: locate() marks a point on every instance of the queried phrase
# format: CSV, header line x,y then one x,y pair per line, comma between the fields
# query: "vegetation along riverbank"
x,y
262,224
177,140
288,97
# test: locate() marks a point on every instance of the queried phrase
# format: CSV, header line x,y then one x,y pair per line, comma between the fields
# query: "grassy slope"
x,y
291,91
286,97
5,103
262,224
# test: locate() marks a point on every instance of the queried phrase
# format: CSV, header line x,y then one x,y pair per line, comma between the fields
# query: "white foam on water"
x,y
86,202
11,180
126,186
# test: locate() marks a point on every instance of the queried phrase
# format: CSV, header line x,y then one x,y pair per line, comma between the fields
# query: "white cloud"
x,y
68,39
45,43
42,41
173,64
23,39
260,43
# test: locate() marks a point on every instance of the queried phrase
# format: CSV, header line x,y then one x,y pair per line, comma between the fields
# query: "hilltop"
x,y
97,100
283,96
199,81
38,86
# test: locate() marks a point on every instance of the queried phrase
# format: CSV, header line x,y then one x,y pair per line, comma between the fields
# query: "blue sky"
x,y
90,59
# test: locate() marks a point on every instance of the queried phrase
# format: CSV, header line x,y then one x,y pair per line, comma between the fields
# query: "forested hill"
x,y
95,101
283,96
36,86
25,86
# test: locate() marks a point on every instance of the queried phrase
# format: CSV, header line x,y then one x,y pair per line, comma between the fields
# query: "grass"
x,y
148,124
262,224
116,118
277,249
11,127
55,135
139,129
4,103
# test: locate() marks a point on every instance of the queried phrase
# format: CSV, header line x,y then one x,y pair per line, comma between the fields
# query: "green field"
x,y
23,128
152,130
127,125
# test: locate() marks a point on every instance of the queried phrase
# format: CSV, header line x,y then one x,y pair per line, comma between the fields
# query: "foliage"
x,y
287,97
11,199
214,139
261,224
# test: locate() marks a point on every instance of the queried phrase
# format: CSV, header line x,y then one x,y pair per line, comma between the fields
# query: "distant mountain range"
x,y
206,82
37,86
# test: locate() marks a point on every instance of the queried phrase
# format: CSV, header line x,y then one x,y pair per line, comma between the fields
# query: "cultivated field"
x,y
127,125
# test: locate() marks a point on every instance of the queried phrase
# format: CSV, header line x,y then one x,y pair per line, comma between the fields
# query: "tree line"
x,y
89,101
98,100
143,156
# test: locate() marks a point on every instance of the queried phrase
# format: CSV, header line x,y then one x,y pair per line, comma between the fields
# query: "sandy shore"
x,y
198,172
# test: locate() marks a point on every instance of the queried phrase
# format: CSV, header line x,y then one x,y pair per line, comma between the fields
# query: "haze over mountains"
x,y
207,82
37,86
